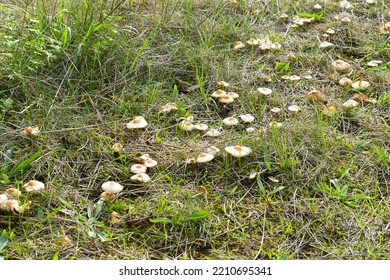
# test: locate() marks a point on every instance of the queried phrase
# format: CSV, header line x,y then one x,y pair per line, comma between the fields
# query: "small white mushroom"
x,y
374,63
238,45
276,110
233,94
341,66
349,104
12,193
137,122
264,91
186,125
112,187
31,131
345,82
201,126
247,118
140,178
10,205
138,168
34,186
360,85
117,147
213,133
293,109
150,163
212,150
294,78
238,151
223,84
345,5
250,129
230,121
204,157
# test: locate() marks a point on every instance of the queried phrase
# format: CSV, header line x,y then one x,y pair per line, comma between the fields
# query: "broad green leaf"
x,y
198,215
3,239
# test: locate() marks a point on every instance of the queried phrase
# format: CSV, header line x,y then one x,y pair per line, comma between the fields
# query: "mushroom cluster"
x,y
139,169
9,199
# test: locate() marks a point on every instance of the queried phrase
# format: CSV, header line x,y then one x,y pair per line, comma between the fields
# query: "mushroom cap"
x,y
264,91
191,160
330,31
226,99
31,131
140,178
349,104
138,168
112,187
168,108
247,118
344,81
345,5
252,42
12,192
317,7
329,110
223,84
213,133
238,45
212,150
201,126
315,95
34,186
218,93
294,78
293,108
107,196
341,66
325,45
238,151
229,121
275,125
117,147
149,162
10,205
374,63
360,85
204,157
137,122
3,197
250,129
233,94
186,125
276,110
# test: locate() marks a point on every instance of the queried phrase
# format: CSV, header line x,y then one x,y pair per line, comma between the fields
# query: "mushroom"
x,y
283,17
226,99
150,163
276,110
385,29
168,108
238,151
191,160
247,118
315,95
275,125
250,129
264,91
349,104
363,98
360,85
137,122
138,168
345,5
329,110
3,197
34,186
293,109
140,178
345,82
346,20
223,84
252,42
114,218
12,192
374,63
233,94
107,196
213,133
112,187
201,126
218,93
31,131
317,7
230,121
330,31
294,78
204,157
212,150
117,147
341,66
186,125
238,45
10,205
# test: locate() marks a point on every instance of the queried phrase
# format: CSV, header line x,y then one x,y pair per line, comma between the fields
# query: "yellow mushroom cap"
x,y
238,45
140,178
34,186
204,157
137,122
218,93
238,151
112,187
223,84
138,168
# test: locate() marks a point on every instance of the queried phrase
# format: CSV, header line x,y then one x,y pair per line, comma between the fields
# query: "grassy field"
x,y
316,186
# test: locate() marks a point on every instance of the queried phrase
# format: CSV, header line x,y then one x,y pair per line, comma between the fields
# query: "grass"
x,y
318,188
